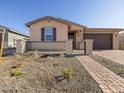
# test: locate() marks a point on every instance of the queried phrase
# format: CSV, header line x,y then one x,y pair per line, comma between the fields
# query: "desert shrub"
x,y
16,72
119,70
17,65
68,72
56,64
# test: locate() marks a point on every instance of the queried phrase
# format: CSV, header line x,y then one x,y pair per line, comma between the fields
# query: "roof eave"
x,y
119,29
56,19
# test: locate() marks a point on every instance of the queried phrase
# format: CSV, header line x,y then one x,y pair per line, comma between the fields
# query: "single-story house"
x,y
47,30
10,36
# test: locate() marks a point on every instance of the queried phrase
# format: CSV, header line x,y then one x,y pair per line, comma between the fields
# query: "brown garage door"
x,y
101,41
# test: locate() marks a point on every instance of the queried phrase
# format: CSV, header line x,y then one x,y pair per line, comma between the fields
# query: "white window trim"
x,y
48,34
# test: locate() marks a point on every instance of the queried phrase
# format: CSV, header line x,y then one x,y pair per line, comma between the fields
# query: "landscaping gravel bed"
x,y
44,74
113,66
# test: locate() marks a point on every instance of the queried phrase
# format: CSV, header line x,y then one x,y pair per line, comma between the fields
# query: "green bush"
x,y
119,70
16,72
68,72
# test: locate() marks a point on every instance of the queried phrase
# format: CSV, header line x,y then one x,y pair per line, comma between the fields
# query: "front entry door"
x,y
72,36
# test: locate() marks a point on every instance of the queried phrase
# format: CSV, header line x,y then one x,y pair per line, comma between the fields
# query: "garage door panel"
x,y
101,41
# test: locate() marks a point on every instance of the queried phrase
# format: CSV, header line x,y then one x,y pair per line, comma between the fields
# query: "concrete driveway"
x,y
114,55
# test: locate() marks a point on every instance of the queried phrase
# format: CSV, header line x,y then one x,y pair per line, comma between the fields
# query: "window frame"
x,y
48,31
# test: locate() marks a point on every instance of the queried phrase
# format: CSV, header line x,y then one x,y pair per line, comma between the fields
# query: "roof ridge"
x,y
57,19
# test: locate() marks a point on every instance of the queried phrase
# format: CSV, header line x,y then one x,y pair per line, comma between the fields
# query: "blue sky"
x,y
92,13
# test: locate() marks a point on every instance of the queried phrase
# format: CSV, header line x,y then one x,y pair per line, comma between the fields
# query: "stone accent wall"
x,y
46,46
82,45
88,46
59,46
69,46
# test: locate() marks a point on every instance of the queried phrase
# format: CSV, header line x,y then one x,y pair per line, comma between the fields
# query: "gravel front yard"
x,y
113,66
45,75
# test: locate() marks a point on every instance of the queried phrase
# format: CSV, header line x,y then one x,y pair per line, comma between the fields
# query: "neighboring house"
x,y
10,37
49,30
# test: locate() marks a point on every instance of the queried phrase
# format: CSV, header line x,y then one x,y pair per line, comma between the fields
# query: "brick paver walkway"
x,y
107,80
114,55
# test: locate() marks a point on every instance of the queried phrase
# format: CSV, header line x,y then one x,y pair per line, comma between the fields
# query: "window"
x,y
48,34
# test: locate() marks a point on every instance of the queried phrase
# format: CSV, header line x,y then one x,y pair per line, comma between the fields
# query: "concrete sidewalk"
x,y
108,81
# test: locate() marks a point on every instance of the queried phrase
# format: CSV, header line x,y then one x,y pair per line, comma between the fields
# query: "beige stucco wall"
x,y
61,30
115,34
12,36
115,40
